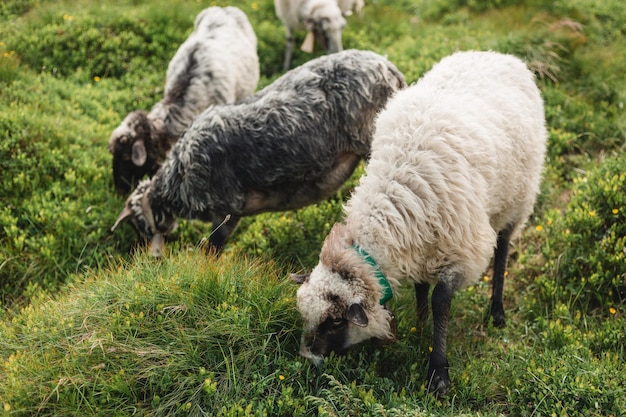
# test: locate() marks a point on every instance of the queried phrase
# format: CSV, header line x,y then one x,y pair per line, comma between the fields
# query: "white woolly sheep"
x,y
348,6
323,19
217,64
454,171
292,144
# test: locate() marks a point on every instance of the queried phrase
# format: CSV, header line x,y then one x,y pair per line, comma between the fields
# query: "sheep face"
x,y
327,29
150,223
128,144
338,311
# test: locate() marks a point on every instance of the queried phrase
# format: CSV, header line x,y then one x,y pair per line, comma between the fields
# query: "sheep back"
x,y
217,64
282,142
456,158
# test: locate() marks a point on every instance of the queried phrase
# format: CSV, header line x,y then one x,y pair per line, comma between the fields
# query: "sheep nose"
x,y
306,344
305,352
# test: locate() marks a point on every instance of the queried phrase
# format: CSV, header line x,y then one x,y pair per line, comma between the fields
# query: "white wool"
x,y
455,158
293,13
225,46
347,6
322,18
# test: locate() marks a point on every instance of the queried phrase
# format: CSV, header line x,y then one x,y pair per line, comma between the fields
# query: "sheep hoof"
x,y
497,313
439,382
499,321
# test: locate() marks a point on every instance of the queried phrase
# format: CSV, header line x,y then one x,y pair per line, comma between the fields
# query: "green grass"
x,y
91,325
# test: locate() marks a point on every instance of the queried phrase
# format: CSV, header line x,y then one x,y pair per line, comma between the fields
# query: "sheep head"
x,y
325,20
340,301
151,224
130,145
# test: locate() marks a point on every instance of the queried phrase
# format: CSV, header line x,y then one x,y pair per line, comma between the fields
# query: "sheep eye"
x,y
338,323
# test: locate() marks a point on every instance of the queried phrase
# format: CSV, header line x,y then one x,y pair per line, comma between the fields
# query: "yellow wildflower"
x,y
539,228
281,377
592,213
255,6
96,78
615,211
612,310
7,407
413,329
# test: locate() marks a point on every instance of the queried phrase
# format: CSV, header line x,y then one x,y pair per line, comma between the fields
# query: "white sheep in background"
x,y
292,144
454,171
323,19
348,6
217,64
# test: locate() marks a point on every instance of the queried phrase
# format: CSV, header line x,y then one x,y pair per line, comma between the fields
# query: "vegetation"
x,y
91,325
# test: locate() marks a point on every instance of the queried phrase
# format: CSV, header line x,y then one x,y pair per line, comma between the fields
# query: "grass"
x,y
91,325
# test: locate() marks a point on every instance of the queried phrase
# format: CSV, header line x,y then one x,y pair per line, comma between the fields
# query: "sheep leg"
x,y
421,301
438,377
288,50
499,267
222,228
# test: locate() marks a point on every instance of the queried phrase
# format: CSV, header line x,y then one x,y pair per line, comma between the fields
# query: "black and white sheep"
x,y
217,64
292,144
323,20
455,168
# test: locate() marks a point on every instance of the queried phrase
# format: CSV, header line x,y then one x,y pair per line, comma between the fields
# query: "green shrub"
x,y
584,250
99,48
9,9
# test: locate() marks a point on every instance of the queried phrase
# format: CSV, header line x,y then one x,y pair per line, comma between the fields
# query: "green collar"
x,y
387,291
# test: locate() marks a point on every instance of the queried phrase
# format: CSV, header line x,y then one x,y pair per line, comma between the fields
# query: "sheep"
x,y
454,172
347,6
323,19
292,144
217,64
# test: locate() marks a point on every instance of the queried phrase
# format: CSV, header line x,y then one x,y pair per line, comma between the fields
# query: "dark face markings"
x,y
330,336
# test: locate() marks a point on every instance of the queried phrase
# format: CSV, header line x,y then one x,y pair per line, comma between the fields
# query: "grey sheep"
x,y
217,64
323,19
292,144
454,172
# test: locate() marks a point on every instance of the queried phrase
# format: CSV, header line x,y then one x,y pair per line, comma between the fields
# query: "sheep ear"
x,y
356,314
139,155
300,278
126,213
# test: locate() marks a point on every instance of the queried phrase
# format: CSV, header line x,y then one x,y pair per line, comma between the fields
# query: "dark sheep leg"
x,y
438,377
222,229
499,267
421,301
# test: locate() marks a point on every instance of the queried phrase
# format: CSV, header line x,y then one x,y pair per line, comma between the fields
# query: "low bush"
x,y
584,250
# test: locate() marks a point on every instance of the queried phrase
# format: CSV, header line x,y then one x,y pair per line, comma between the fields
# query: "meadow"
x,y
92,325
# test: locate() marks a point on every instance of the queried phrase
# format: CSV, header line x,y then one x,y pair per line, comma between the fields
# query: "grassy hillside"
x,y
91,325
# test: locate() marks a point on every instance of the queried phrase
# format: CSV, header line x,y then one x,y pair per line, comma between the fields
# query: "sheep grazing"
x,y
292,144
455,168
217,64
348,6
323,19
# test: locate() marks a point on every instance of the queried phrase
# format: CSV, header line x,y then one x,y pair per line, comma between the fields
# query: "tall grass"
x,y
185,333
